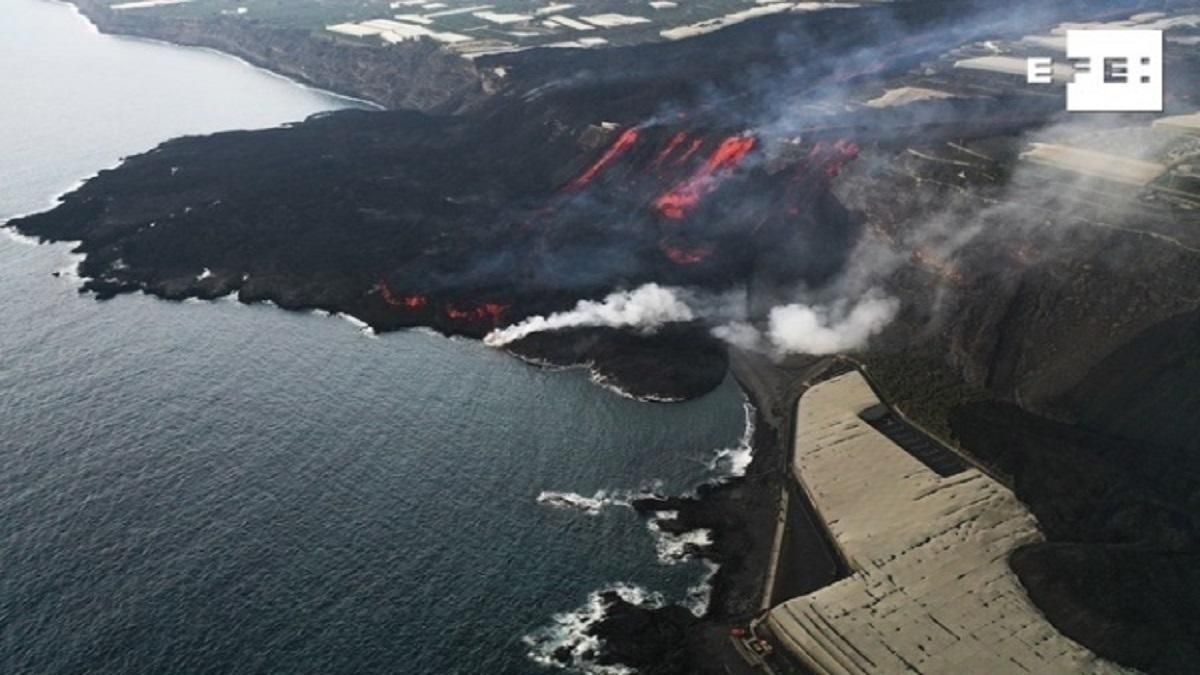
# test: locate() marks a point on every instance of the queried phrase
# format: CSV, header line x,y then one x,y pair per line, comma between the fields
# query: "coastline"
x,y
740,515
265,69
396,77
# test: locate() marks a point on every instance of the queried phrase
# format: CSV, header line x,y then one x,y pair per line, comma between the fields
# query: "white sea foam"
x,y
733,462
700,595
601,500
672,548
596,377
572,500
600,380
68,271
362,326
568,633
20,238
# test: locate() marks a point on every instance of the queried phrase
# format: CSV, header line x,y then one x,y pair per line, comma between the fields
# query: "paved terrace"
x,y
931,591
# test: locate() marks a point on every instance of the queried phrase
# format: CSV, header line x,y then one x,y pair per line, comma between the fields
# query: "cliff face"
x,y
412,75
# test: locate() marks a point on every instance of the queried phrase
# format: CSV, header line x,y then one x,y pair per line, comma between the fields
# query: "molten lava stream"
x,y
691,151
686,256
488,311
411,302
678,202
676,141
622,145
828,159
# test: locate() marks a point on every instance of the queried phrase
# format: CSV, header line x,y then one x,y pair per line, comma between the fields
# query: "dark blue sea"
x,y
210,487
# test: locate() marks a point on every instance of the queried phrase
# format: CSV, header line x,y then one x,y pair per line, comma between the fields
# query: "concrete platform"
x,y
932,591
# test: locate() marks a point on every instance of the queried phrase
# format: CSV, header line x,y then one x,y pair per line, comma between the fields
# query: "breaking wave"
x,y
700,595
362,326
568,643
672,548
19,238
733,462
601,500
598,378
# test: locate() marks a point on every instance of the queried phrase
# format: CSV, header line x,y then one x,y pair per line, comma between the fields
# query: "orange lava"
x,y
410,302
834,156
676,141
692,150
488,311
686,256
624,142
678,202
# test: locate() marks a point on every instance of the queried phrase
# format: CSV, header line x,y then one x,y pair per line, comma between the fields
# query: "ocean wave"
x,y
733,462
567,642
598,378
71,269
67,249
362,326
673,548
19,238
599,501
699,596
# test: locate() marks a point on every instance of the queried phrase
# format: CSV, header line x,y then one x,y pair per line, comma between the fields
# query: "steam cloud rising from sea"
x,y
646,308
841,325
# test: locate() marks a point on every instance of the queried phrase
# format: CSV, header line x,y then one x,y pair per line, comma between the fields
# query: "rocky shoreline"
x,y
741,514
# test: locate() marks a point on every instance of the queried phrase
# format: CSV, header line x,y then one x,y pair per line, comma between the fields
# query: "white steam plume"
x,y
827,330
646,308
816,329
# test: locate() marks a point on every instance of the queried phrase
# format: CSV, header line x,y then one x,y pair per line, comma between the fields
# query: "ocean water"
x,y
219,488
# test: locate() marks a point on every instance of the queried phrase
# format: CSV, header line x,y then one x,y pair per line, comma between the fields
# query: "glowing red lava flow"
x,y
828,159
622,145
844,151
686,256
487,311
677,203
411,302
693,149
676,141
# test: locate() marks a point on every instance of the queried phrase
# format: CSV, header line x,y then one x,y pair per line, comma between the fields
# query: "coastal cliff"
x,y
415,75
